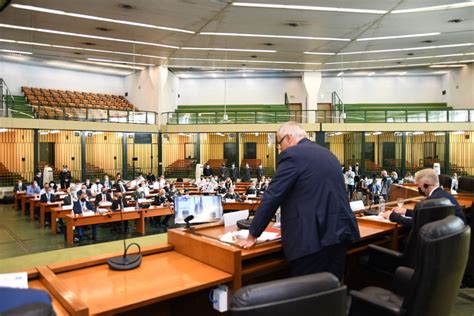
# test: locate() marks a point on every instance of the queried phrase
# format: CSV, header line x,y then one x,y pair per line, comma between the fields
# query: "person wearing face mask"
x,y
234,173
96,188
385,185
20,187
119,186
70,197
428,185
246,173
48,195
118,204
107,183
65,177
79,207
84,190
88,183
207,172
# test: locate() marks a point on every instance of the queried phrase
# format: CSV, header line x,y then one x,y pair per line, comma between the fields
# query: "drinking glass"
x,y
400,202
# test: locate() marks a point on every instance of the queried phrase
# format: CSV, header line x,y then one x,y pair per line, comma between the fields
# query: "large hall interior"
x,y
131,110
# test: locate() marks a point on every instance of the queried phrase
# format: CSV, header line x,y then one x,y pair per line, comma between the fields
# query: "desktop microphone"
x,y
187,220
125,262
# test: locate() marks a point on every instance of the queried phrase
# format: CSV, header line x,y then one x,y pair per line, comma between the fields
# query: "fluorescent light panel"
x,y
25,28
109,64
118,62
319,53
245,61
406,49
278,36
397,36
230,49
435,8
15,51
97,18
306,7
79,48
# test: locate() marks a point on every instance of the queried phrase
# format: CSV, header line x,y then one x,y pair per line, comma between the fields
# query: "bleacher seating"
x,y
8,178
215,164
49,103
181,168
93,172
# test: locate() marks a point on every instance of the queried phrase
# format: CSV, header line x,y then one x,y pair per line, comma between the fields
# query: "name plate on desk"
x,y
128,209
14,280
67,207
88,213
230,200
106,203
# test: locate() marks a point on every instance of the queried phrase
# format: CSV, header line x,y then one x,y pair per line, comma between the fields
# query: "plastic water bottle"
x,y
381,206
278,216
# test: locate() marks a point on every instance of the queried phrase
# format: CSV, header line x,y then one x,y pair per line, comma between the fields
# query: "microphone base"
x,y
244,223
122,263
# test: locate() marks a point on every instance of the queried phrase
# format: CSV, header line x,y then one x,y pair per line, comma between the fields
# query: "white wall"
x,y
170,95
459,86
17,75
240,91
398,89
142,88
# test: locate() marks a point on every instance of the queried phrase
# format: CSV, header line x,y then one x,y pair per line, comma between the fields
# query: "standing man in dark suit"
x,y
234,173
427,181
207,172
260,172
317,224
223,172
65,177
246,173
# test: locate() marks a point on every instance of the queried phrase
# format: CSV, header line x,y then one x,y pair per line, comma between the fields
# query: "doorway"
x,y
250,151
230,153
46,152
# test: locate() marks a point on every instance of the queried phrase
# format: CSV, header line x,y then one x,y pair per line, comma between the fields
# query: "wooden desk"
x,y
371,229
24,199
57,213
238,206
18,196
137,215
46,207
34,202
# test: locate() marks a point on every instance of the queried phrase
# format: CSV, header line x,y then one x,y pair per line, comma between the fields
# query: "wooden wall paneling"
x,y
15,145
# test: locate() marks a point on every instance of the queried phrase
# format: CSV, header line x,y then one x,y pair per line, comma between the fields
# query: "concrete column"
x,y
311,83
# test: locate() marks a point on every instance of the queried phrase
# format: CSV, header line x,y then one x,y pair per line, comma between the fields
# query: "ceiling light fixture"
x,y
371,74
119,61
15,51
319,53
97,18
80,48
306,8
25,28
402,73
245,61
340,74
406,49
435,8
446,66
109,64
230,49
397,36
277,36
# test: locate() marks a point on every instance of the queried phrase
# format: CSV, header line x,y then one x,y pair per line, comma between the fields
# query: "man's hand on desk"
x,y
247,243
386,214
400,210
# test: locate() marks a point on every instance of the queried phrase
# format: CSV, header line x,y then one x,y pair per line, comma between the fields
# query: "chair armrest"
x,y
384,259
366,305
402,280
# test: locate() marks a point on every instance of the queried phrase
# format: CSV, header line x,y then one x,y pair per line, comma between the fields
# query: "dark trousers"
x,y
329,259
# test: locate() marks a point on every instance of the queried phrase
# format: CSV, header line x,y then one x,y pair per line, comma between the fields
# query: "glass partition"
x,y
103,154
16,156
179,154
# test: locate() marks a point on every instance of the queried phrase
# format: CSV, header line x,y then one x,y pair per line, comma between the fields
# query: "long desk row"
x,y
191,262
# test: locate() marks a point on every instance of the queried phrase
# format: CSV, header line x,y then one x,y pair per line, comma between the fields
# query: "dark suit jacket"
x,y
116,186
223,172
78,209
16,188
234,173
88,192
44,197
98,198
309,186
207,172
160,200
118,204
246,174
260,172
438,193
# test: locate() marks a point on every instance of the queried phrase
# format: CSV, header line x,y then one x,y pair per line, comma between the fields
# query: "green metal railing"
x,y
315,116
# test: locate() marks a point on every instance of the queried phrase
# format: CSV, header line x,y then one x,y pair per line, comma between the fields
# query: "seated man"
x,y
48,195
104,196
96,188
162,199
84,190
232,195
78,208
119,186
118,204
19,188
428,185
252,188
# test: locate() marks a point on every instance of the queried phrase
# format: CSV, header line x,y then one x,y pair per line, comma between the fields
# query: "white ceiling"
x,y
219,16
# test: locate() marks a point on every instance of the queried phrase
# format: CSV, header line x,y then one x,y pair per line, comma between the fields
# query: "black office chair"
x,y
466,184
386,260
431,288
314,294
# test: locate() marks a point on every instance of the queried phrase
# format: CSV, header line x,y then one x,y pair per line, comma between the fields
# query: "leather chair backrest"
x,y
466,184
314,294
441,260
426,211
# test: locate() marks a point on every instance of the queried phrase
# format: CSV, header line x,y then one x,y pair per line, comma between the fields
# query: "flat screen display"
x,y
203,208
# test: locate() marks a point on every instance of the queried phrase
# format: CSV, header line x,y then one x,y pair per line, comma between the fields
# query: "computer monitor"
x,y
203,208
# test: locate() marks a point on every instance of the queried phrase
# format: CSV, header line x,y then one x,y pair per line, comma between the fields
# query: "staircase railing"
x,y
338,107
6,98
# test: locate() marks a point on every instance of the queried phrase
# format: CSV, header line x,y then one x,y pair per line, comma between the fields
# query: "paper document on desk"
x,y
14,280
243,234
376,218
67,207
88,213
107,203
230,219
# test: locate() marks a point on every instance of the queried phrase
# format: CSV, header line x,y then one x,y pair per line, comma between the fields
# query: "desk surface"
x,y
161,276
